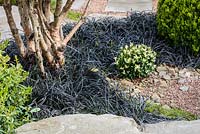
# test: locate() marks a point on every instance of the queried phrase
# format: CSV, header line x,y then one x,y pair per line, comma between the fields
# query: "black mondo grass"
x,y
81,85
86,91
78,89
109,34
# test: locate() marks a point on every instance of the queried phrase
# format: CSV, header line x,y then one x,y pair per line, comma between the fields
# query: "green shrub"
x,y
13,95
136,61
179,21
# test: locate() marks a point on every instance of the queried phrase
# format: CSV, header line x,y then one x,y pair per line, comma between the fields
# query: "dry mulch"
x,y
172,95
189,100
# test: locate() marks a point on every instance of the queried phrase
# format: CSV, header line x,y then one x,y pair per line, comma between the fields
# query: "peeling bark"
x,y
37,37
25,21
58,9
58,20
44,38
8,9
47,9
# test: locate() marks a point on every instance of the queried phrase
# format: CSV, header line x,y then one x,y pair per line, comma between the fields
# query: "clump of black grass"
x,y
81,87
76,88
80,90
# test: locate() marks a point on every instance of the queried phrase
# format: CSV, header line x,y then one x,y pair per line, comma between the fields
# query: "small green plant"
x,y
136,61
14,96
179,21
172,113
73,15
53,5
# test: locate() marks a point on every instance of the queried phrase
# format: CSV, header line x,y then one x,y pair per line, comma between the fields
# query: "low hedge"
x,y
14,96
179,21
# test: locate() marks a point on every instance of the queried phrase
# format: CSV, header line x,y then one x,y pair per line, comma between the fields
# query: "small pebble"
x,y
172,71
184,88
166,77
161,68
166,107
162,73
181,81
155,98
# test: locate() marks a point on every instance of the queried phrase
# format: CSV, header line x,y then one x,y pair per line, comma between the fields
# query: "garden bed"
x,y
81,85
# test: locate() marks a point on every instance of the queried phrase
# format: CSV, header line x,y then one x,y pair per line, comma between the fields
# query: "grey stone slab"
x,y
174,127
128,5
78,4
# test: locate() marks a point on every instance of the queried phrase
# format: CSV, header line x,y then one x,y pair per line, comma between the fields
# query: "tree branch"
x,y
25,21
47,9
76,27
45,48
8,9
37,39
58,9
66,8
72,32
58,20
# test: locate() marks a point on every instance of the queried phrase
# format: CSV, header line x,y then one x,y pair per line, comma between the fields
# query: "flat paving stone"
x,y
128,5
78,4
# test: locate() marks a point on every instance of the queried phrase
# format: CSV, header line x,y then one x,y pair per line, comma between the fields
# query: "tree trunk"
x,y
44,38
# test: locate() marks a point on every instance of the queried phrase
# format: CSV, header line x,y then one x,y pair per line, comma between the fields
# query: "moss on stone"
x,y
168,112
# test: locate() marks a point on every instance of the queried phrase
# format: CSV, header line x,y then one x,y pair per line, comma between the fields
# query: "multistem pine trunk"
x,y
44,37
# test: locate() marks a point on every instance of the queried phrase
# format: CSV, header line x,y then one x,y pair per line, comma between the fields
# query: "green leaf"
x,y
34,110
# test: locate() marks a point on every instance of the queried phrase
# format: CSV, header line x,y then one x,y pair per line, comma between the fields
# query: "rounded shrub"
x,y
136,61
179,21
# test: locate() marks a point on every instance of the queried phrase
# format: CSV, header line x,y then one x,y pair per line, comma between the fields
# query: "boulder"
x,y
174,127
81,124
105,124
